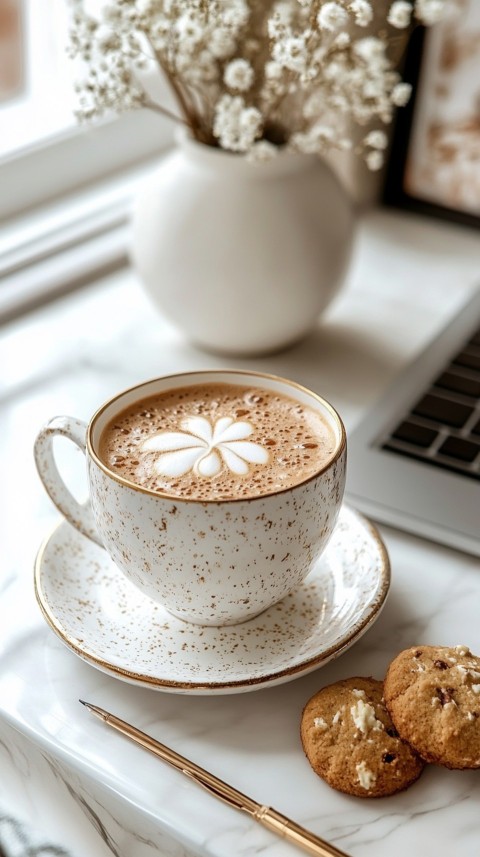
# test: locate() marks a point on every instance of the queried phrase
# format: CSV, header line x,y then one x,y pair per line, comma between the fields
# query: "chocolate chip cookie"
x,y
433,696
350,741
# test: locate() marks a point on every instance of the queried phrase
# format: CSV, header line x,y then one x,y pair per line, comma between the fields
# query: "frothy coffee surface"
x,y
217,441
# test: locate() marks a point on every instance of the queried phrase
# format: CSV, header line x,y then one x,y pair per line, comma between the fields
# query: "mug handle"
x,y
78,515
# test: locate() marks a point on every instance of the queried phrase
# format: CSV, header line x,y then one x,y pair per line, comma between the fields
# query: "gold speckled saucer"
x,y
105,620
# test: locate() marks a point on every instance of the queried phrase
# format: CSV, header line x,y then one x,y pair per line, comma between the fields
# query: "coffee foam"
x,y
217,441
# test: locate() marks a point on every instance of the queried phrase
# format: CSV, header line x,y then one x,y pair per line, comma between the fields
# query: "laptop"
x,y
414,460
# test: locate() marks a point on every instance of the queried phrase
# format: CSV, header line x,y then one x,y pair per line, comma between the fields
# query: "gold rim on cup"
x,y
128,484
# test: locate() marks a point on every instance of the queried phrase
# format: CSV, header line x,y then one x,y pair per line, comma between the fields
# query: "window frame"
x,y
79,158
61,228
71,189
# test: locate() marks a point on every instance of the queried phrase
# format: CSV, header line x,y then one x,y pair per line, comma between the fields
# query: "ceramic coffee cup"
x,y
210,562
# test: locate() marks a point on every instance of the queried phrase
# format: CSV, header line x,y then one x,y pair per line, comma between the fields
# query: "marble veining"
x,y
73,817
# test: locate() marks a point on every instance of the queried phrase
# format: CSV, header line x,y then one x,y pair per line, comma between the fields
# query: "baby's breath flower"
x,y
250,121
275,27
374,160
262,151
112,13
238,74
107,39
318,138
291,53
401,94
332,17
222,43
146,7
371,49
342,40
273,70
376,139
235,125
284,12
362,11
400,14
237,15
300,68
430,11
332,70
189,30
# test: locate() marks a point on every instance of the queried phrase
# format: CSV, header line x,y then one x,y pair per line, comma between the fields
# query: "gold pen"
x,y
275,821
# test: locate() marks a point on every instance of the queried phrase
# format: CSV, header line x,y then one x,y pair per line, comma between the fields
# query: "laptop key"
x,y
470,359
459,384
416,435
476,428
453,465
443,411
475,340
459,447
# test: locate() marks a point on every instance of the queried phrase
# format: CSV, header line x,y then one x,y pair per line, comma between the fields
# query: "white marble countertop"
x,y
88,788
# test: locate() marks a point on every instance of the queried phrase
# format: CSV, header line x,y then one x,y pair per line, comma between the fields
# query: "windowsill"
x,y
61,246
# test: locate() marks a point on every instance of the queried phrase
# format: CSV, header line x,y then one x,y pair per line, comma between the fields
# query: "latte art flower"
x,y
205,449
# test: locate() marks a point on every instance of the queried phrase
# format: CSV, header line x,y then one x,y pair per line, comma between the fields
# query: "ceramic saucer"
x,y
105,620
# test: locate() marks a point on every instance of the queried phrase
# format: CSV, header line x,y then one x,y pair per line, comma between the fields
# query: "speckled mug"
x,y
214,562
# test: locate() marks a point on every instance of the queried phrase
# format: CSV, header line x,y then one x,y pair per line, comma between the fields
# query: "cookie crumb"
x,y
366,777
468,672
462,650
363,715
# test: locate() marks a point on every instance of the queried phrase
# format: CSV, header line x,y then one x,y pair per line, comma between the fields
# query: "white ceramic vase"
x,y
241,257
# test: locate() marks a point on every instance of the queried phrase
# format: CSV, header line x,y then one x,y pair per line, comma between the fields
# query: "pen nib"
x,y
99,712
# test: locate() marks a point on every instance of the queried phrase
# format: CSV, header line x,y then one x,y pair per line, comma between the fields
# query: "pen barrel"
x,y
297,835
270,818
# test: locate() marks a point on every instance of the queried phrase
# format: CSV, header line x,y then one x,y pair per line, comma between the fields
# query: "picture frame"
x,y
434,162
12,49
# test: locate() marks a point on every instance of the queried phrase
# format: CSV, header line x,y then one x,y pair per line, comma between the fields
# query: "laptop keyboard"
x,y
443,427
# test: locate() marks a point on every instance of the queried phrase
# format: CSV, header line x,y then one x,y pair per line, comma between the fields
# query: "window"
x,y
59,180
43,151
36,66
